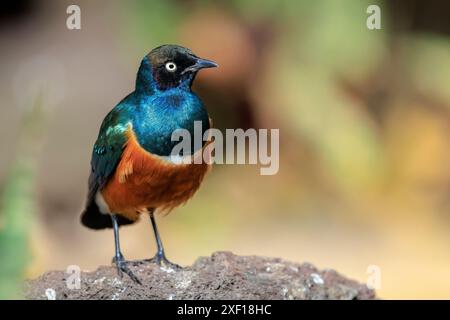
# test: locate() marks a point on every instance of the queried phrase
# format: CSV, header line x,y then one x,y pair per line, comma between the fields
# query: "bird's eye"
x,y
170,66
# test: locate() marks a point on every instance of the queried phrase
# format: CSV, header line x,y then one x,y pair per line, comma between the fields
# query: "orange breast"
x,y
142,181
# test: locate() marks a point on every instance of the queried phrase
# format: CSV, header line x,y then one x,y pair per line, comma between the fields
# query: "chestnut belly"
x,y
144,181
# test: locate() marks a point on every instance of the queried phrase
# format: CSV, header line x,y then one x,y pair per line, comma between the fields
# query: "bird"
x,y
132,173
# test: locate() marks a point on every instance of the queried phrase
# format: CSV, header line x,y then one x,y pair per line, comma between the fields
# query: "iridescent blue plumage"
x,y
155,114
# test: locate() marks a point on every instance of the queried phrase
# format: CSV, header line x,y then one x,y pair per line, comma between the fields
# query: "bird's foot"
x,y
122,267
161,260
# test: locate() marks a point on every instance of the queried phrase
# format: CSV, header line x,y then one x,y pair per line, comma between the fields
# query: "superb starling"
x,y
131,168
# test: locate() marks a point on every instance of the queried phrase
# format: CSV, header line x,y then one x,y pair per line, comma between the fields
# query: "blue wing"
x,y
106,155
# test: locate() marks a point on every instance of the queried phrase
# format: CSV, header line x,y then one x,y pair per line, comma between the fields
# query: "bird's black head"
x,y
172,66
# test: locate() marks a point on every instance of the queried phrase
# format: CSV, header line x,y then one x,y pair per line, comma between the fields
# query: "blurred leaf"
x,y
151,23
17,211
429,60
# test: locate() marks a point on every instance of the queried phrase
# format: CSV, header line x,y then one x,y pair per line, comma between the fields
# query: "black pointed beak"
x,y
205,63
201,64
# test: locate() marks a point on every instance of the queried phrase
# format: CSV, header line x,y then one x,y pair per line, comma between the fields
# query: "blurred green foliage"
x,y
18,206
17,212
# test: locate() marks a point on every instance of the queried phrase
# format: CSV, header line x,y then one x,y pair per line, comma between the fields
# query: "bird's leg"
x,y
160,256
118,258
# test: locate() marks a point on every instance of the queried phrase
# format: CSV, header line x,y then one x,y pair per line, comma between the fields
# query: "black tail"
x,y
94,219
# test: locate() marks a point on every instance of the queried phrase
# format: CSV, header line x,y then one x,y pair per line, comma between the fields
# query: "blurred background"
x,y
364,119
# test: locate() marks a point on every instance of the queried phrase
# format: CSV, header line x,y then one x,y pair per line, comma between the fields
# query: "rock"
x,y
221,276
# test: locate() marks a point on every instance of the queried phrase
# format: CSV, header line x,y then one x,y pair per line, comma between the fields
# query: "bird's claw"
x,y
122,267
163,262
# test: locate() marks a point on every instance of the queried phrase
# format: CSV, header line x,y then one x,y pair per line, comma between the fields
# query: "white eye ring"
x,y
171,66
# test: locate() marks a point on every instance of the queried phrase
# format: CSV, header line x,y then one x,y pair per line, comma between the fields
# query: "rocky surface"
x,y
221,276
